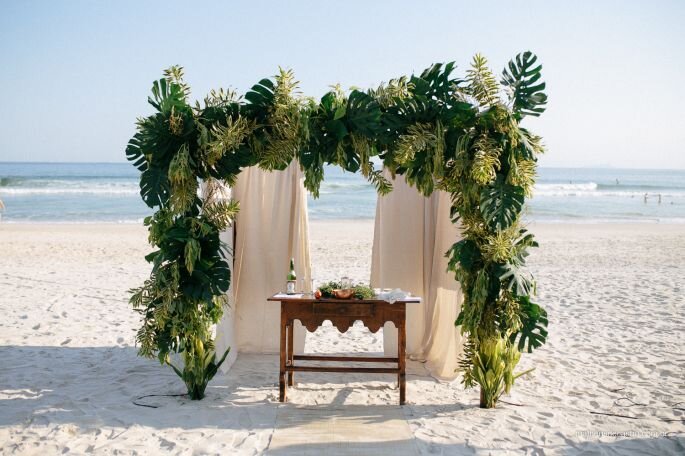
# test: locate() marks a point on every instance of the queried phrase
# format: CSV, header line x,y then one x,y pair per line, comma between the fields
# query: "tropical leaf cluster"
x,y
435,130
489,179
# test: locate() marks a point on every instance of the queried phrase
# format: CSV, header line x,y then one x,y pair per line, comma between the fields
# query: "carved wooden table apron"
x,y
342,313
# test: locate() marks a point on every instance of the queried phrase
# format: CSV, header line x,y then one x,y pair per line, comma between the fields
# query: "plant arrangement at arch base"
x,y
461,135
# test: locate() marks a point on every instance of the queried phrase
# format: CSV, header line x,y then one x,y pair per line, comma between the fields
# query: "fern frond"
x,y
419,137
221,97
481,82
395,89
182,180
192,254
522,173
228,138
362,148
221,213
485,160
284,135
174,74
175,122
382,185
466,362
439,150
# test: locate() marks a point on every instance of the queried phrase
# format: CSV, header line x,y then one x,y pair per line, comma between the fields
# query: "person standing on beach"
x,y
659,198
645,198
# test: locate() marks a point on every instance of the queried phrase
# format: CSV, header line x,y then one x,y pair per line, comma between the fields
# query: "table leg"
x,y
401,349
291,330
281,374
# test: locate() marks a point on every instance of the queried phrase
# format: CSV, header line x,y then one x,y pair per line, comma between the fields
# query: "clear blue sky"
x,y
76,74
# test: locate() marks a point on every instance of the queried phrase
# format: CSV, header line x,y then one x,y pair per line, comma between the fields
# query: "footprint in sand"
x,y
36,327
120,340
64,314
66,342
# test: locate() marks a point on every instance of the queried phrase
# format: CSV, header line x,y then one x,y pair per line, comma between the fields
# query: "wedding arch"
x,y
441,132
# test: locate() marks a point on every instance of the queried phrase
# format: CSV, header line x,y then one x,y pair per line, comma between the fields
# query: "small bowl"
x,y
343,294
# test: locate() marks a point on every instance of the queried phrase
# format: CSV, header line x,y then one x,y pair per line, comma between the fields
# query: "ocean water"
x,y
108,192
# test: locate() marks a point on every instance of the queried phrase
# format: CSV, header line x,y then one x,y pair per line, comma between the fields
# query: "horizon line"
x,y
541,167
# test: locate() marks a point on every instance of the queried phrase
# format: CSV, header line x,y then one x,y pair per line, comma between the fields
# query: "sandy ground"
x,y
69,370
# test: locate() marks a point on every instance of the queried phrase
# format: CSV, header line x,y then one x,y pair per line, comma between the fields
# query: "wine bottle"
x,y
292,278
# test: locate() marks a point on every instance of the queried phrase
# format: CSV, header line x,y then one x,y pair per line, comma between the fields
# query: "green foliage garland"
x,y
462,136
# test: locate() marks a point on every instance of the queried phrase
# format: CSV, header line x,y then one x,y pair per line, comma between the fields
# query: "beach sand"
x,y
69,370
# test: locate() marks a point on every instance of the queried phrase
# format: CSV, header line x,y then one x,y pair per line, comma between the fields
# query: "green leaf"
x,y
339,113
513,273
521,76
363,113
435,82
167,95
150,257
515,278
134,152
467,253
337,129
500,204
533,332
460,319
154,187
178,372
261,94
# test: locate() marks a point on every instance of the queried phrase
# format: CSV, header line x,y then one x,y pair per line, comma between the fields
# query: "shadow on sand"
x,y
92,387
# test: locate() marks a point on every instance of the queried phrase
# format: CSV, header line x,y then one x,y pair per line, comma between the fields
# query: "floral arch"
x,y
460,135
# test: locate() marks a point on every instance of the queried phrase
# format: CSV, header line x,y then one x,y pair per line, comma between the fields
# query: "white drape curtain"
x,y
271,227
411,235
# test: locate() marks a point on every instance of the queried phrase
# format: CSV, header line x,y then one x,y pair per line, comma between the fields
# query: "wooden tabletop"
x,y
304,299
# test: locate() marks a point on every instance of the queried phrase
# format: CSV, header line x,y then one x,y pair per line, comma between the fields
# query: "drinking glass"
x,y
306,286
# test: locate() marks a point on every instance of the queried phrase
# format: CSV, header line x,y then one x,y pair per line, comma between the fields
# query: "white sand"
x,y
69,370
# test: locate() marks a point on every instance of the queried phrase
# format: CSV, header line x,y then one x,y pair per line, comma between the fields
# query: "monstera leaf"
x,y
363,113
513,272
208,280
134,152
154,187
167,95
533,332
500,204
261,94
521,77
515,278
435,82
464,252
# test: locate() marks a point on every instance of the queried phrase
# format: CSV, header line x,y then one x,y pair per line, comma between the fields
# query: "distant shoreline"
x,y
587,167
531,225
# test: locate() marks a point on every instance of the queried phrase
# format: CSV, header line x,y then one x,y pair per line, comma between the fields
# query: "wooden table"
x,y
342,313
